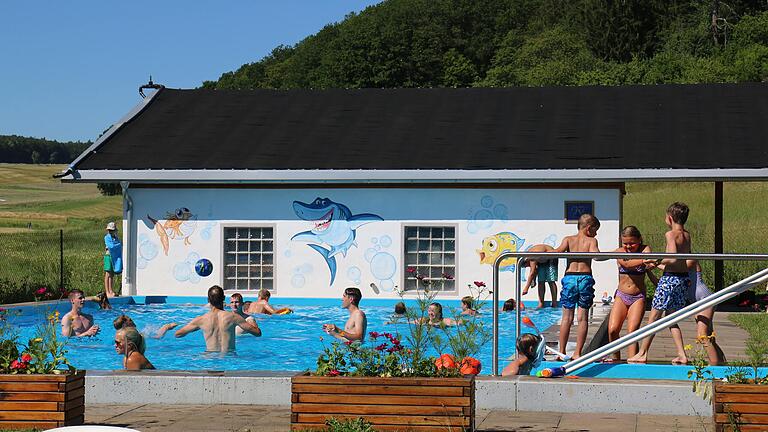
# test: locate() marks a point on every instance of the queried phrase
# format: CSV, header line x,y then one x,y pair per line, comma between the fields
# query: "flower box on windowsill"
x,y
745,405
42,401
418,404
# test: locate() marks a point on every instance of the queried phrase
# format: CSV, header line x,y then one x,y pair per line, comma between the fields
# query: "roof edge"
x,y
417,176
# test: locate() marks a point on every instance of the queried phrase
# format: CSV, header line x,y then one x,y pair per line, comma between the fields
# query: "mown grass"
x,y
745,206
36,206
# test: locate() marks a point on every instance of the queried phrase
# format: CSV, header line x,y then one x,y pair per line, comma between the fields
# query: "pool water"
x,y
288,343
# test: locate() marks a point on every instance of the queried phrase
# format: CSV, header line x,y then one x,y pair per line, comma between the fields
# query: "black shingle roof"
x,y
631,127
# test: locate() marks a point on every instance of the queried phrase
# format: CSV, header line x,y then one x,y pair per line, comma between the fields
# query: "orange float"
x,y
470,366
445,361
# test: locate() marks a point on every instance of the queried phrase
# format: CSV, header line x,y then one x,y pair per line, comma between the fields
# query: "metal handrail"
x,y
522,256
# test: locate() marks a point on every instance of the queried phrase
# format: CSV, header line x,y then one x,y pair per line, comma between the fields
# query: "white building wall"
x,y
534,215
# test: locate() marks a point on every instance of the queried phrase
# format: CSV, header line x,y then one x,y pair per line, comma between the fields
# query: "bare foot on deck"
x,y
638,358
681,360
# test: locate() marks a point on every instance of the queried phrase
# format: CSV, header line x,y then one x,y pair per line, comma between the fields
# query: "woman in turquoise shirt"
x,y
113,258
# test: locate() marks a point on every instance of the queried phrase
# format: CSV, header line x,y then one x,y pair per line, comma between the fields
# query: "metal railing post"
x,y
495,286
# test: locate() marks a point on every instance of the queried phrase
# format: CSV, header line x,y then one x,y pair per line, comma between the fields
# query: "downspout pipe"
x,y
129,274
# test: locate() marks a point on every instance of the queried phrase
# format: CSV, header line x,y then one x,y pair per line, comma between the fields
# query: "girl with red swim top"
x,y
629,300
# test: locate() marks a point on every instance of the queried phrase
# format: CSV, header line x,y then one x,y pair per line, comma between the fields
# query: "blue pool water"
x,y
288,343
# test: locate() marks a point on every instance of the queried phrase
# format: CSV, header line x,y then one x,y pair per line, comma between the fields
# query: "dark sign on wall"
x,y
574,209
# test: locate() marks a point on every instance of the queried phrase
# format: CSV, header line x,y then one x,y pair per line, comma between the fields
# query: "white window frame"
x,y
403,252
224,252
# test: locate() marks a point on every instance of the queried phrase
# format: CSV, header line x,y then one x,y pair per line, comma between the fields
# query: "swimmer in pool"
x,y
236,305
262,306
218,325
75,323
130,343
357,323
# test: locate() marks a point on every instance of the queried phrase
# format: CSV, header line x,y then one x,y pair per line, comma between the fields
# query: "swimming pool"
x,y
288,343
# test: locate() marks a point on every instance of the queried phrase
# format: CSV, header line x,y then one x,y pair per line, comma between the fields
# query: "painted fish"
x,y
498,244
334,228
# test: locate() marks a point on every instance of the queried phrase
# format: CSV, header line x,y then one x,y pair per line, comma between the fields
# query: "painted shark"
x,y
334,231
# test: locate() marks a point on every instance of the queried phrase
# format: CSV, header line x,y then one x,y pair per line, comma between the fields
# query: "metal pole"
x,y
719,279
521,256
61,259
668,320
518,297
496,318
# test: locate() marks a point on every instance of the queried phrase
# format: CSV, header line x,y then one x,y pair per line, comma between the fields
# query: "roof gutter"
x,y
447,176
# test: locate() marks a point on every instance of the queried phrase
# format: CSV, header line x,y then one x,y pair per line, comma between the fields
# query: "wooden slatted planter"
x,y
389,404
743,404
42,401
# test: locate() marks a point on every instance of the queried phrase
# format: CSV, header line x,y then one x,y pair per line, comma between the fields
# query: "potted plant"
x,y
391,382
38,386
740,400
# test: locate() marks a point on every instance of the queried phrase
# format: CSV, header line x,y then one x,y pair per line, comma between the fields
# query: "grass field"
x,y
35,206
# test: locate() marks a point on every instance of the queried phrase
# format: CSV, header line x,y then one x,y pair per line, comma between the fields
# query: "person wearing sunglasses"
x,y
130,344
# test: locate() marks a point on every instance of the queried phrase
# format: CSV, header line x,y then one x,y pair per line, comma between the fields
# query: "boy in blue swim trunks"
x,y
578,283
670,295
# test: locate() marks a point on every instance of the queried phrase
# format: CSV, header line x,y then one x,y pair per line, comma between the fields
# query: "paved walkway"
x,y
730,337
246,418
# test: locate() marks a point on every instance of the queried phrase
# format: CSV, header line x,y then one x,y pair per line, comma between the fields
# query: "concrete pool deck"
x,y
265,418
520,393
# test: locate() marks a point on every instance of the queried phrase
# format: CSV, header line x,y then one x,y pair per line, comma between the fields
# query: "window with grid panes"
x,y
431,250
249,258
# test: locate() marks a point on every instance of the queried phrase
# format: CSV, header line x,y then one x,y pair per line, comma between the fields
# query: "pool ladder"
x,y
636,336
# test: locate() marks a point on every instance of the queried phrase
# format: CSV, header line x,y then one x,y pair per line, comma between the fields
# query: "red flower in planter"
x,y
381,347
26,358
333,373
18,365
374,334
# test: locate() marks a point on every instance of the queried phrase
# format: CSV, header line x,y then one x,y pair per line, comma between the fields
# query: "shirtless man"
x,y
355,327
236,305
262,306
218,325
75,323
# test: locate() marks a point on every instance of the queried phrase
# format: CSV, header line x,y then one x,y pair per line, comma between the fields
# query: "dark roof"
x,y
713,126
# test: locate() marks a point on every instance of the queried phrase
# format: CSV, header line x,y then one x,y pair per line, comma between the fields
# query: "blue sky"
x,y
69,69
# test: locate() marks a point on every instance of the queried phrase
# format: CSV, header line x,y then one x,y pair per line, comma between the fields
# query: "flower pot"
x,y
42,401
418,404
741,407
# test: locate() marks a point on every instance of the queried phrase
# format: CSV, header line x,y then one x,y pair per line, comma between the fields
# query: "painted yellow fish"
x,y
498,244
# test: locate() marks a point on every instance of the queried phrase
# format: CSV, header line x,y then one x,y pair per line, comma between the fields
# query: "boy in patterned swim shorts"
x,y
671,290
578,283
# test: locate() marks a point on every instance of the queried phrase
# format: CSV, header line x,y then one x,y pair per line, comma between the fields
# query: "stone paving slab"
x,y
252,418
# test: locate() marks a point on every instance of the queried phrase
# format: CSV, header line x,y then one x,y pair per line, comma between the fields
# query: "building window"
x,y
431,250
249,258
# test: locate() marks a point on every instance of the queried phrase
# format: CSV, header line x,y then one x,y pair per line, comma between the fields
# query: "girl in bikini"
x,y
629,300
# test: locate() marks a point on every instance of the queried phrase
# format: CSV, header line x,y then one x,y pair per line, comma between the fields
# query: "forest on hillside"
x,y
492,43
19,149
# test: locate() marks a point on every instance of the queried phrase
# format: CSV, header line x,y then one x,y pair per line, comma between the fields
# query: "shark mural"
x,y
334,231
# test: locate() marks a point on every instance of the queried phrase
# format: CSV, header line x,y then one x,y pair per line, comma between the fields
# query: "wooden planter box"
x,y
744,404
42,401
390,404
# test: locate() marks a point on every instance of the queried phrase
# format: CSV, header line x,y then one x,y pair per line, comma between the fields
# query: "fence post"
x,y
61,259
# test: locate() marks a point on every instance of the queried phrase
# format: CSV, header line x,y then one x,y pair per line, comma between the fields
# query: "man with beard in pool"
x,y
218,325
